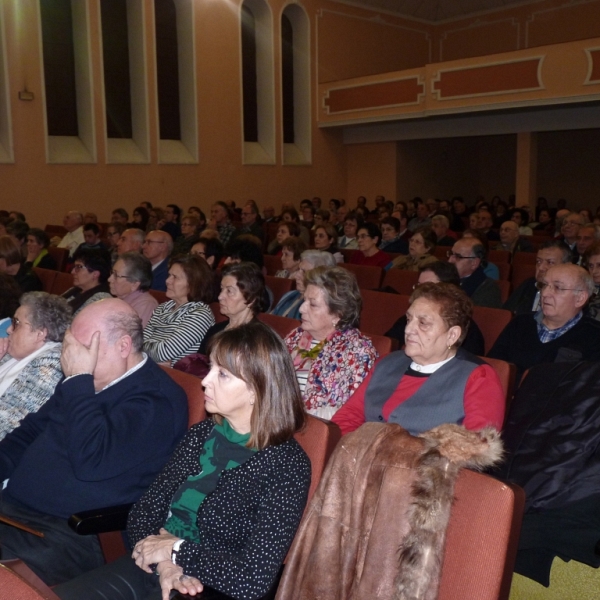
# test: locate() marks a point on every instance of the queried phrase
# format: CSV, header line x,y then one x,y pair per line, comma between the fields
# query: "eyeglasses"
x,y
450,254
115,274
16,322
542,285
78,267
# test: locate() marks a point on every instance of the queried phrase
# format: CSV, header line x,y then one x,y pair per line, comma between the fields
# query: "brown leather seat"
x,y
491,322
62,282
47,277
281,325
381,310
368,278
400,280
279,286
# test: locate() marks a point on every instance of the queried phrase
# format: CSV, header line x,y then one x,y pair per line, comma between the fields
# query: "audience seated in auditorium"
x,y
326,241
113,235
285,229
250,222
92,237
155,217
586,236
441,226
512,240
368,254
420,248
331,356
526,298
348,240
210,249
490,269
229,531
569,229
291,251
140,218
170,221
269,214
391,236
469,256
30,357
486,222
290,214
11,263
521,217
289,305
558,331
130,280
157,248
90,217
73,223
131,240
177,327
121,216
432,381
219,220
38,243
435,273
90,272
190,234
100,440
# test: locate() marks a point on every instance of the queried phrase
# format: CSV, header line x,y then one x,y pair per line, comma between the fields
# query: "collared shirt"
x,y
547,335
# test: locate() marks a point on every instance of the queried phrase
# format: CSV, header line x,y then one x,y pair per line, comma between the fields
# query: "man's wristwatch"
x,y
175,550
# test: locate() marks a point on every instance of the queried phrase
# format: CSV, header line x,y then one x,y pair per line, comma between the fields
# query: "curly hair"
x,y
49,312
429,237
294,245
454,306
341,291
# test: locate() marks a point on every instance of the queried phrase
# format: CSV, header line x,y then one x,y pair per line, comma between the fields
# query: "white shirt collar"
x,y
428,369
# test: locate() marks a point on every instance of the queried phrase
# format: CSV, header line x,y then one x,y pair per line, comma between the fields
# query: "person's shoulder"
x,y
590,325
288,453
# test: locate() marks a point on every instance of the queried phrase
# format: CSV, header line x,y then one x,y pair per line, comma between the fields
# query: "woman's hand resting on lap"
x,y
153,550
172,578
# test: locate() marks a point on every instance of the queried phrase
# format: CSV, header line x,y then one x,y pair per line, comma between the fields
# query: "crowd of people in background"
x,y
197,258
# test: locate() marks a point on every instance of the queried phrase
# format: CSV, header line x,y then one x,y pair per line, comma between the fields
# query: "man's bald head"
x,y
73,219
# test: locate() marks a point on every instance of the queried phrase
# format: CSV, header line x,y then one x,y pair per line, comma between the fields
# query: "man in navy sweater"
x,y
100,440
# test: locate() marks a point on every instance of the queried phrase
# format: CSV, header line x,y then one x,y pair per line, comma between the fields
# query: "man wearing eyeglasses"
x,y
250,222
558,331
157,248
468,254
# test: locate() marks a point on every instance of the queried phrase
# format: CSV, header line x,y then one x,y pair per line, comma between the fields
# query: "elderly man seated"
x,y
526,298
559,331
157,248
469,256
100,440
511,240
131,240
73,223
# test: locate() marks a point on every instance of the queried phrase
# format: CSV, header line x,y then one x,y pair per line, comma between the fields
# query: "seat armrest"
x,y
101,520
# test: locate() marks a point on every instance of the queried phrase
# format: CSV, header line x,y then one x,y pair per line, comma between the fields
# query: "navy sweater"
x,y
84,450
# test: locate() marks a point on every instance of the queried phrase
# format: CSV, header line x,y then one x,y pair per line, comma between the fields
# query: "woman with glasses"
x,y
420,251
433,380
90,272
30,357
130,279
369,254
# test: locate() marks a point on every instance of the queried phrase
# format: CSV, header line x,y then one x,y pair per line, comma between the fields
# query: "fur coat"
x,y
377,523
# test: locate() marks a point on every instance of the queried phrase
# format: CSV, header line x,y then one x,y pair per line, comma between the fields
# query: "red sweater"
x,y
379,259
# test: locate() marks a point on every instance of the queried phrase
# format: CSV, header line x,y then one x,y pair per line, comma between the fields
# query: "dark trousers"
x,y
59,556
120,580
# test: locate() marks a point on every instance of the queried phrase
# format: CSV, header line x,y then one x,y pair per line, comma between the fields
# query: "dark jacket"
x,y
84,450
246,525
521,300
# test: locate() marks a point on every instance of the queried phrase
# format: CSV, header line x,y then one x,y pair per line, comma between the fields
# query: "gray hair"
x,y
49,312
585,281
137,234
567,255
123,323
137,268
318,258
441,219
341,291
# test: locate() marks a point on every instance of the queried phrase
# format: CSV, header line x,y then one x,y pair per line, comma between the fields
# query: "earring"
x,y
251,402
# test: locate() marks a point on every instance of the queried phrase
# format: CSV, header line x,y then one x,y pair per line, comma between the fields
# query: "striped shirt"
x,y
174,333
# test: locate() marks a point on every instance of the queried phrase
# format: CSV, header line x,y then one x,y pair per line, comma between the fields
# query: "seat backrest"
x,y
384,345
60,255
194,391
400,280
159,296
482,538
347,253
47,277
491,322
507,373
521,272
281,325
499,256
318,439
62,282
279,286
272,264
19,582
524,258
504,271
504,289
214,306
381,310
368,278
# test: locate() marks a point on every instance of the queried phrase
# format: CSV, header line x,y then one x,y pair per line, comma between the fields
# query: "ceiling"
x,y
438,10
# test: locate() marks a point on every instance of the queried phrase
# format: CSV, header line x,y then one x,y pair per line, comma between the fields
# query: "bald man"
x,y
73,223
99,441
